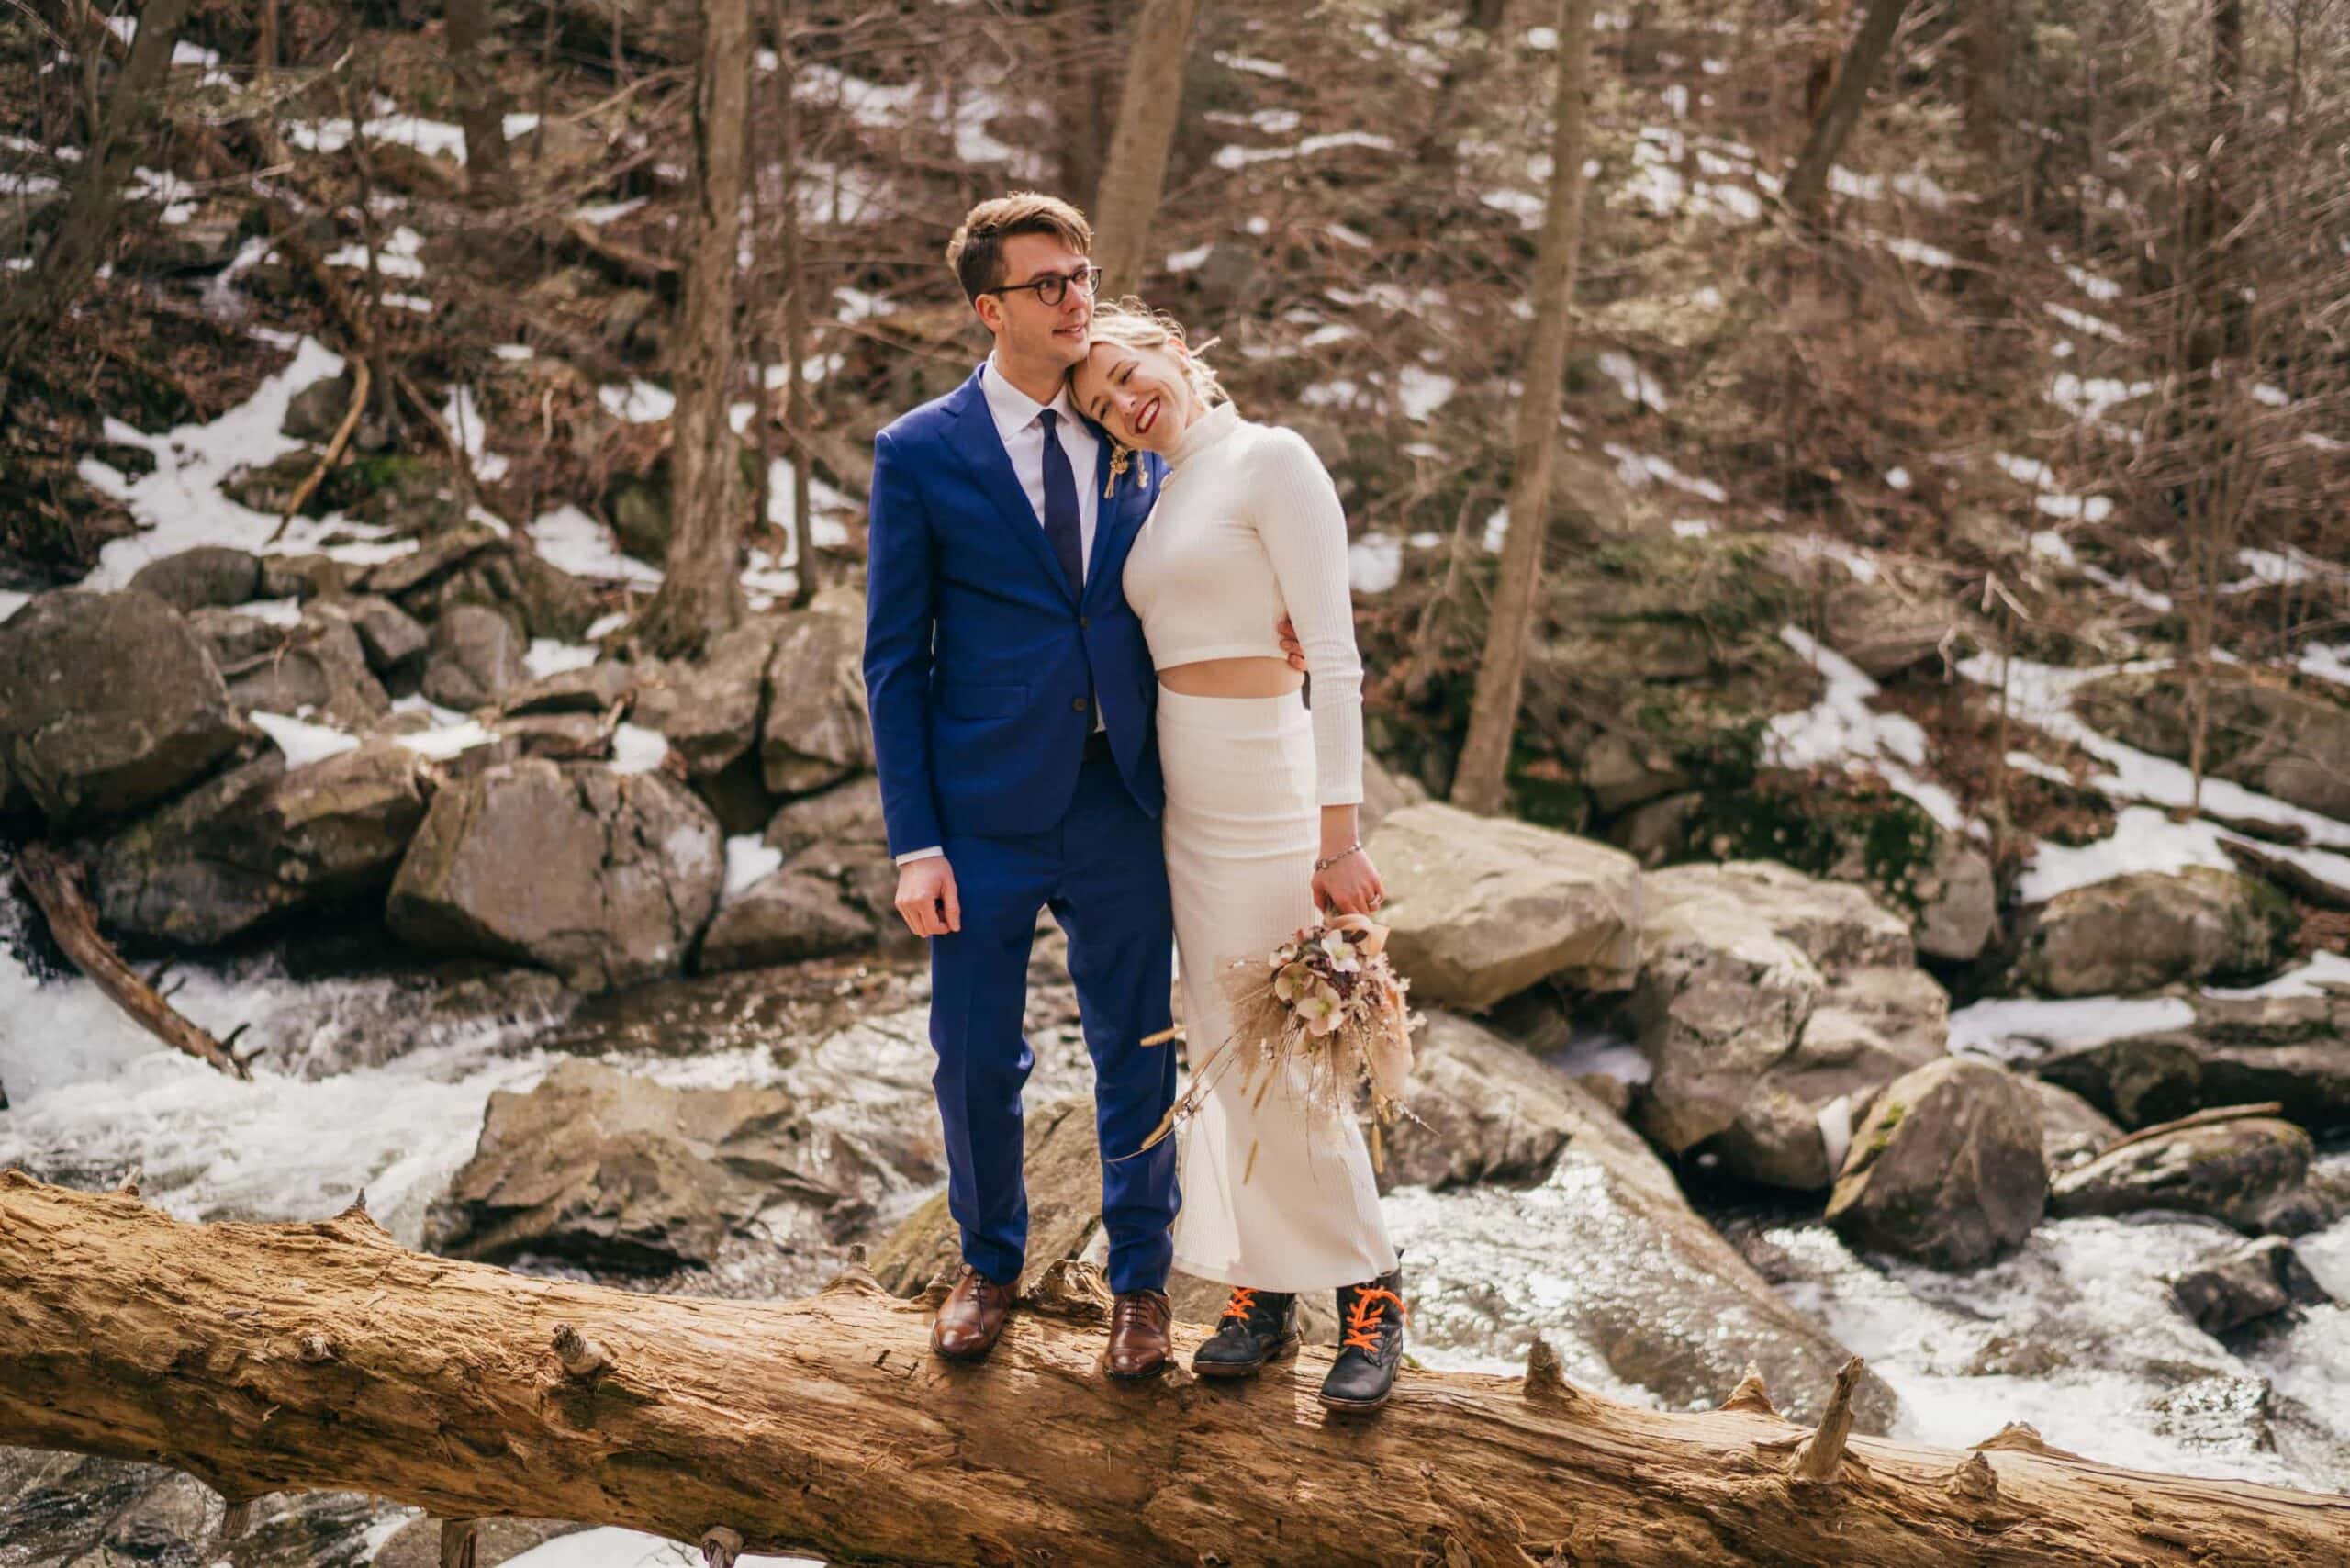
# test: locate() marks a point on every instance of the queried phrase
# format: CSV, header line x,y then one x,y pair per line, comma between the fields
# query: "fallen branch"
x,y
361,380
264,1358
55,883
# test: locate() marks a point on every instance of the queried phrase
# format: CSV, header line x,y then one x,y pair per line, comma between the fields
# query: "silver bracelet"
x,y
1329,860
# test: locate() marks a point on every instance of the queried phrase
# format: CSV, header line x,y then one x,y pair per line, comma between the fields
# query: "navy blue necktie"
x,y
1060,507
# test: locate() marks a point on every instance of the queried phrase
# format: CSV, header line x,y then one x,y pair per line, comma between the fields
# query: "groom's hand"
x,y
926,897
1291,646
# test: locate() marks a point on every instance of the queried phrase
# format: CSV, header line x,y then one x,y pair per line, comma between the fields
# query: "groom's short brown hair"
x,y
976,252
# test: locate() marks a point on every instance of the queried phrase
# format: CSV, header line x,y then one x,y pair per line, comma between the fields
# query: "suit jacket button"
x,y
1082,623
1077,704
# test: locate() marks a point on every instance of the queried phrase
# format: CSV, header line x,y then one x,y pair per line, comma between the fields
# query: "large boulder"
x,y
392,639
107,701
613,1172
832,893
2257,1279
1948,1168
317,669
1770,1006
2145,929
258,842
2292,742
206,575
2240,1051
1958,902
1062,1163
1599,1252
475,654
816,733
1885,613
1481,907
2248,1171
2072,1131
604,878
708,710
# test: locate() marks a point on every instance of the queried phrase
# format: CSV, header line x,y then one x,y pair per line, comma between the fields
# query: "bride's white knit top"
x,y
1247,530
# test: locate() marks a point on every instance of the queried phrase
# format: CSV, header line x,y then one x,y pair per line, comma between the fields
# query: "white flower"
x,y
1339,953
1320,1010
1293,982
1283,955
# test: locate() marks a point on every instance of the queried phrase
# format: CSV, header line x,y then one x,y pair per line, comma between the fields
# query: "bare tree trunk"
x,y
701,589
1480,783
33,306
795,409
267,1357
1834,15
265,43
1148,107
1841,112
481,101
1081,37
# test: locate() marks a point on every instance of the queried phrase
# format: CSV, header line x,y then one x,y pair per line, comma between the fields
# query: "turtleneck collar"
x,y
1205,432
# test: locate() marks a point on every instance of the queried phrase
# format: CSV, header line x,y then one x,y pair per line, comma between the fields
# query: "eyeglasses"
x,y
1053,287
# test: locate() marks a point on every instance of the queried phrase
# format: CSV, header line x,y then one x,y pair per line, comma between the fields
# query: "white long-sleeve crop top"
x,y
1248,529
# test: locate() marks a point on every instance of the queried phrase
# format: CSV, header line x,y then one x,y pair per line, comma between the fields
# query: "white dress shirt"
x,y
1022,434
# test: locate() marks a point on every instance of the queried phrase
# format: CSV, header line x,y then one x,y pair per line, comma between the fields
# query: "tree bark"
x,y
71,259
481,101
1480,782
701,588
263,1357
1148,107
1834,123
796,412
1081,39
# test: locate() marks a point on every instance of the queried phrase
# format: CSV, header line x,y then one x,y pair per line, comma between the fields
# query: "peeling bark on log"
x,y
55,883
825,1427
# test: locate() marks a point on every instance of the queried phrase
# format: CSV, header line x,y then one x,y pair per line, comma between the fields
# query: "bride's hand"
x,y
1349,886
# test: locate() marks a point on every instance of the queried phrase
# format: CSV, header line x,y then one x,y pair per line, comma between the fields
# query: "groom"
x,y
1013,700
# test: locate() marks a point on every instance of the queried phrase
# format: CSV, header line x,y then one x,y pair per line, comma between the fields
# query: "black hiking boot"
x,y
1371,1344
1257,1327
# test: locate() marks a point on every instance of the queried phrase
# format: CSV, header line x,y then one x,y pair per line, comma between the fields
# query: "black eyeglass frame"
x,y
1057,281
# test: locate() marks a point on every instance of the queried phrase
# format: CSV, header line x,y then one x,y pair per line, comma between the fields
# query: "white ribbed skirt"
x,y
1275,1195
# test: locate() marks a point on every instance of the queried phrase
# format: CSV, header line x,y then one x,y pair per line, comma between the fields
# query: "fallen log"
x,y
262,1358
55,883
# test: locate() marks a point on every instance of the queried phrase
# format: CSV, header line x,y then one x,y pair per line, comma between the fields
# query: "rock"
x,y
619,1173
475,654
206,575
559,737
1384,793
441,553
849,816
1062,1160
2292,742
816,733
1619,776
238,640
1958,902
302,576
552,602
417,1544
783,918
2072,1131
107,701
1657,831
2248,1171
2255,1281
1886,614
259,842
1948,1169
1601,1253
592,688
2145,929
317,669
1482,1110
604,878
391,637
1479,907
314,413
1769,1007
2240,1051
710,711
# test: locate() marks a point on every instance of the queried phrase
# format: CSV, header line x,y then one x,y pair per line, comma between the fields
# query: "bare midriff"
x,y
1232,678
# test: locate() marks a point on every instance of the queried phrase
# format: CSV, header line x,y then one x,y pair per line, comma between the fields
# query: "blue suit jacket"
x,y
981,660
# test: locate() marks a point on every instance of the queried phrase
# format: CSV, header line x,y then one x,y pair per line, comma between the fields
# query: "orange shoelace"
x,y
1362,1321
1243,1297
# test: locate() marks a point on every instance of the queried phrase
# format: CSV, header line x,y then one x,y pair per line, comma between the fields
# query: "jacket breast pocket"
x,y
961,699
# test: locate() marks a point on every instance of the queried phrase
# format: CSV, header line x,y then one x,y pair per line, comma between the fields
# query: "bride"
x,y
1261,834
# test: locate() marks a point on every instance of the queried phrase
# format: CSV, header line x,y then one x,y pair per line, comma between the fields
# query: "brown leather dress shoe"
x,y
1138,1325
970,1320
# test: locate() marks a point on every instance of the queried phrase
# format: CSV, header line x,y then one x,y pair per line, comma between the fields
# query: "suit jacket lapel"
x,y
982,449
1121,515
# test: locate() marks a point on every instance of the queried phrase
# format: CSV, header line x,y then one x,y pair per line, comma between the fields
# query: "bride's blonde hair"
x,y
1130,323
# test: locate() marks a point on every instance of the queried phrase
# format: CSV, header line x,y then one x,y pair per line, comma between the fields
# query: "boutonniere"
x,y
1120,458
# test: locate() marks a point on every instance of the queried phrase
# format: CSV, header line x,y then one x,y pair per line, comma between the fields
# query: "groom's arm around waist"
x,y
901,611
